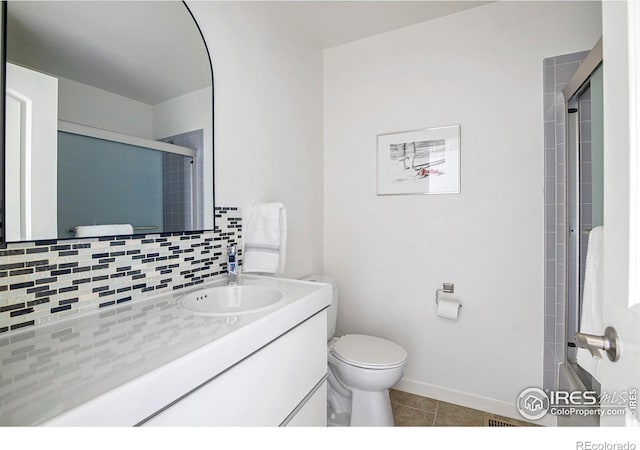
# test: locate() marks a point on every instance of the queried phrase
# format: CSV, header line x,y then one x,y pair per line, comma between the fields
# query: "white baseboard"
x,y
490,405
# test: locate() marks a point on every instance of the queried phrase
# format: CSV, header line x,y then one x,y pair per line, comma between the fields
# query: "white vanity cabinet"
x,y
154,362
282,383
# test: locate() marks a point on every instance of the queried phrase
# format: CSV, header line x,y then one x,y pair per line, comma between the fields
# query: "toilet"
x,y
361,370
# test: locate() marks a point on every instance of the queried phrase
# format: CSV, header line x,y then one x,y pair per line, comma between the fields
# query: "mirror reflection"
x,y
108,120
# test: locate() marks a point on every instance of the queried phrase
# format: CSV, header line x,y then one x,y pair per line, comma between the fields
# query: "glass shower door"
x,y
585,178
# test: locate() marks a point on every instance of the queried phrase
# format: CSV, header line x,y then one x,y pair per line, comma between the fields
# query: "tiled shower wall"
x,y
178,179
48,280
557,71
176,192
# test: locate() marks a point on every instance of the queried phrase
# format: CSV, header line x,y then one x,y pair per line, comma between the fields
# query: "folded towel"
x,y
103,230
265,239
591,315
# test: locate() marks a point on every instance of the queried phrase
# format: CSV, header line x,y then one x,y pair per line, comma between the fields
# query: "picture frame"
x,y
424,161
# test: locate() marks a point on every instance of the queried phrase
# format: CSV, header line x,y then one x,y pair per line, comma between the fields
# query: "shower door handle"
x,y
609,343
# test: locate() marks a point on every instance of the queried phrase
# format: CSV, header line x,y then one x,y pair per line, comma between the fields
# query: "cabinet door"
x,y
31,154
261,390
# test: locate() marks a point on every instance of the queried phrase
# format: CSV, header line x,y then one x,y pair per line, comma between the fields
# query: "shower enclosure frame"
x,y
578,84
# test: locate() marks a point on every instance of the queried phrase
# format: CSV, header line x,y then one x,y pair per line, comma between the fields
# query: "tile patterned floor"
x,y
411,410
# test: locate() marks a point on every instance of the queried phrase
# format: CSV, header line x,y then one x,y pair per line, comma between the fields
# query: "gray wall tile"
x,y
563,67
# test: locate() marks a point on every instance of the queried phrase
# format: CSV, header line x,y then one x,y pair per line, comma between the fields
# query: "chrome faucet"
x,y
232,265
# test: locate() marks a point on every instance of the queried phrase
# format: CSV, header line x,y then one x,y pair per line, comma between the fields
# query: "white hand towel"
x,y
103,230
265,239
591,315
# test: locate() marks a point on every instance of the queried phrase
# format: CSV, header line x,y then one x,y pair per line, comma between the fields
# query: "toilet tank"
x,y
332,312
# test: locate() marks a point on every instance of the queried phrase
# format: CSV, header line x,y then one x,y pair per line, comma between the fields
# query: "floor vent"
x,y
498,423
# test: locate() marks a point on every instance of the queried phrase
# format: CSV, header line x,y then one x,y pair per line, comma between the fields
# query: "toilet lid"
x,y
369,351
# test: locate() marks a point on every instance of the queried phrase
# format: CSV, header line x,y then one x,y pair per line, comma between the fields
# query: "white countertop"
x,y
121,365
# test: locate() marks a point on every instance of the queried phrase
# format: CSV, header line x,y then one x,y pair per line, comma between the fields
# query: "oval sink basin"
x,y
231,300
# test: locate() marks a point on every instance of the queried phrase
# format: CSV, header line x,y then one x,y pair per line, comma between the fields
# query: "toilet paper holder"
x,y
447,288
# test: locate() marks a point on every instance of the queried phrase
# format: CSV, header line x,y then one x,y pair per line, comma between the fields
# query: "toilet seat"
x,y
368,352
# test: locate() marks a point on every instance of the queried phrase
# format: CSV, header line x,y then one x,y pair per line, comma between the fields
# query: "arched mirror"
x,y
108,120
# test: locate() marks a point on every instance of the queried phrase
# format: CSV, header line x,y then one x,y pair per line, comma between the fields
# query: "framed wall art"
x,y
425,161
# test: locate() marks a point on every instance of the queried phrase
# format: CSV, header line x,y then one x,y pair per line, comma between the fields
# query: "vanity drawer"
x,y
264,388
314,412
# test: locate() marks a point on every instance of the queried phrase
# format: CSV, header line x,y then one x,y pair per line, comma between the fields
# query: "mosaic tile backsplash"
x,y
44,281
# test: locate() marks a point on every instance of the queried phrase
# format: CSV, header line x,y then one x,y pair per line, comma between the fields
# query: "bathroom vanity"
x,y
155,363
146,361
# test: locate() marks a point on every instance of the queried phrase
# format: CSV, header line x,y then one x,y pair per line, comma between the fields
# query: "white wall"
x,y
268,121
87,105
481,68
182,114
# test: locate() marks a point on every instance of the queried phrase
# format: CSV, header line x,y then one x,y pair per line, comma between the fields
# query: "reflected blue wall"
x,y
105,182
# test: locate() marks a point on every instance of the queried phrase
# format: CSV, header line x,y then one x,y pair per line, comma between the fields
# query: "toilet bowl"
x,y
366,367
361,369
